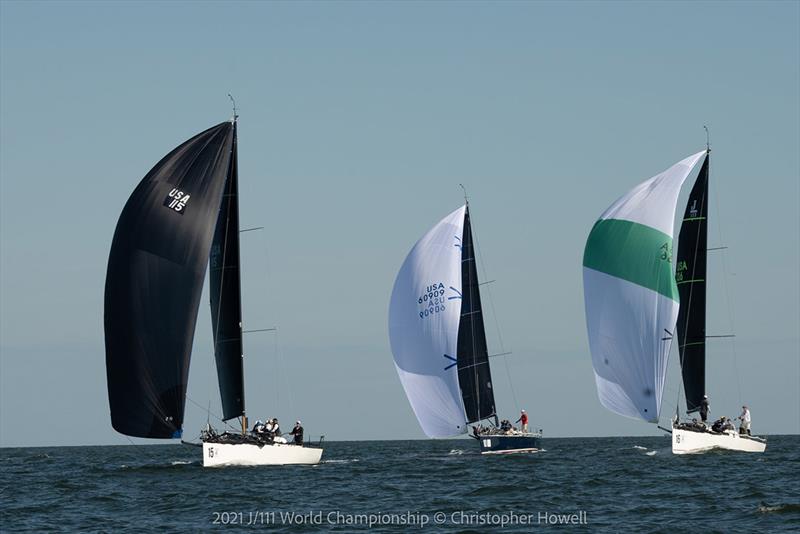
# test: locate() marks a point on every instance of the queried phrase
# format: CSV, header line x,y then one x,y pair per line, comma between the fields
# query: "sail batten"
x,y
154,281
690,275
631,296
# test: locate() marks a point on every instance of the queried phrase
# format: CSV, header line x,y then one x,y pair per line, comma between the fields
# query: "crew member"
x,y
744,428
704,408
297,432
523,418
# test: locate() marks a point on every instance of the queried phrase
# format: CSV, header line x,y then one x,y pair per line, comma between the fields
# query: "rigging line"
x,y
285,375
496,321
731,318
212,414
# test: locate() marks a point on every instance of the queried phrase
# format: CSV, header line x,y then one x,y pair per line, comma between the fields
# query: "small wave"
x,y
651,453
778,508
348,461
456,451
639,447
182,462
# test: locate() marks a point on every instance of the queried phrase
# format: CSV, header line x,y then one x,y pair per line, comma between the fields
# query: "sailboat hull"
x,y
224,454
509,443
692,442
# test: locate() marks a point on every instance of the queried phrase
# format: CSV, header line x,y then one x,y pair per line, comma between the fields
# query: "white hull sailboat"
x,y
183,216
635,302
691,276
228,454
686,441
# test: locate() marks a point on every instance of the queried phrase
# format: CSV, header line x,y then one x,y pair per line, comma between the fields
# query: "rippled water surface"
x,y
622,484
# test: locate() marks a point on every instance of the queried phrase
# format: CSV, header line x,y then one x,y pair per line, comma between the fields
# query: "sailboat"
x,y
690,276
182,216
634,299
438,339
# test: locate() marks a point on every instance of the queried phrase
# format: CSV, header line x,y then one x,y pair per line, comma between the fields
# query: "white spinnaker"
x,y
652,202
424,314
627,324
628,319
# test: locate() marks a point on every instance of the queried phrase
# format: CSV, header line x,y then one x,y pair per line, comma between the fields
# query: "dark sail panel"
x,y
154,280
226,298
690,274
474,375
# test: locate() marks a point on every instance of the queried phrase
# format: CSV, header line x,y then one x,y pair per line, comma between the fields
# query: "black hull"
x,y
501,444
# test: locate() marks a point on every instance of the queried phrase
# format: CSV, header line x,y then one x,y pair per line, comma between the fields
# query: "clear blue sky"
x,y
358,122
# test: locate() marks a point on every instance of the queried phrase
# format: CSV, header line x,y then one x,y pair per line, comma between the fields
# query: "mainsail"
x,y
690,274
226,298
436,330
630,293
474,374
154,281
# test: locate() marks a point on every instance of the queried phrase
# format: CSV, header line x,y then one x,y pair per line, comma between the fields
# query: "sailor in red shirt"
x,y
523,417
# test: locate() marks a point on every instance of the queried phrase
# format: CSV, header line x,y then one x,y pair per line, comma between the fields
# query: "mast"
x,y
690,276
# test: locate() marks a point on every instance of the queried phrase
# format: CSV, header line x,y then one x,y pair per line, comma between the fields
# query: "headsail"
x,y
630,293
424,316
226,298
155,276
690,274
474,375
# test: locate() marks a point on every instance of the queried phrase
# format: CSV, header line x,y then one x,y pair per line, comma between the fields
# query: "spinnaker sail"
x,y
437,333
424,316
631,298
154,281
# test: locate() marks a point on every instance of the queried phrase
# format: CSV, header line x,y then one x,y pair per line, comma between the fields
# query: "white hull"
x,y
221,454
689,442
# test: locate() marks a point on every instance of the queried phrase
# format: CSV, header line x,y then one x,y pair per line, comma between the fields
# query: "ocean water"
x,y
592,485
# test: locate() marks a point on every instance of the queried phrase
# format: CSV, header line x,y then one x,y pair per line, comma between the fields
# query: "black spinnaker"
x,y
226,298
154,281
474,375
690,275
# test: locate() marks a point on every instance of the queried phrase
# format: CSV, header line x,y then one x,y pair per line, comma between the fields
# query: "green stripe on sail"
x,y
634,252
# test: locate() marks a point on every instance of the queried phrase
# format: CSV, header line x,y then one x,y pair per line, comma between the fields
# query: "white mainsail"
x,y
630,293
424,315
